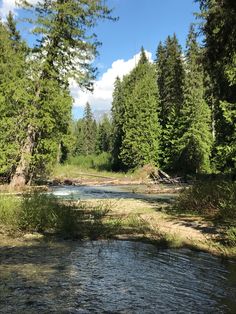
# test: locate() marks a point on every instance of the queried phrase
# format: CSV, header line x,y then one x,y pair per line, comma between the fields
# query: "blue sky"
x,y
141,23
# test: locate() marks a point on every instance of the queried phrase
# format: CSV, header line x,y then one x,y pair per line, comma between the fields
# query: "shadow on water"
x,y
35,278
113,277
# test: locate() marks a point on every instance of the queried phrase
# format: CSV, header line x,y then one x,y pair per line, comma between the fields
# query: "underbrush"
x,y
44,213
214,199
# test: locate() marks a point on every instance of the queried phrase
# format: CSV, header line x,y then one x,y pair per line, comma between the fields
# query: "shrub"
x,y
37,212
210,197
231,236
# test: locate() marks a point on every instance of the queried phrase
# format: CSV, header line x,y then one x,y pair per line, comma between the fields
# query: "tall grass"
x,y
216,198
37,212
100,162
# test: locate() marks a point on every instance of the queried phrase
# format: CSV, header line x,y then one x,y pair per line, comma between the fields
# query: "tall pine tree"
x,y
89,129
219,28
64,51
14,97
140,127
170,79
193,147
118,111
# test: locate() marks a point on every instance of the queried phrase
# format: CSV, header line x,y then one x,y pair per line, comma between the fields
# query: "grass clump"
x,y
231,236
44,213
214,198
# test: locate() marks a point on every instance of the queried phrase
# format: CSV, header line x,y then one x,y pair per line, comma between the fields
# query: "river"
x,y
111,276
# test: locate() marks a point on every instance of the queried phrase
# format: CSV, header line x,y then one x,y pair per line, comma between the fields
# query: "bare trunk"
x,y
21,175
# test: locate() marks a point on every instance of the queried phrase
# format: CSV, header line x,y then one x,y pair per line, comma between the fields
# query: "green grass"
x,y
217,199
43,213
85,166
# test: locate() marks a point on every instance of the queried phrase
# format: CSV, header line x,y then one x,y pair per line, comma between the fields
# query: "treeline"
x,y
35,101
179,113
90,136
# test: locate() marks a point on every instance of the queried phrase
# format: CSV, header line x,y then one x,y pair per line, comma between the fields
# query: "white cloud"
x,y
101,97
10,5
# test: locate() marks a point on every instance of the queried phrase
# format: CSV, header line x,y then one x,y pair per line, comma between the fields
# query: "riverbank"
x,y
145,220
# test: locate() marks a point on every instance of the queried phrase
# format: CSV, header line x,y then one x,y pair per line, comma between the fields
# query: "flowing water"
x,y
107,192
114,277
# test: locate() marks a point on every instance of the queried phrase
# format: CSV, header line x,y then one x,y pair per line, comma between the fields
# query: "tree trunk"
x,y
21,175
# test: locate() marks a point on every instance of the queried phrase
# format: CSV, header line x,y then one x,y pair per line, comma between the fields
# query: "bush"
x,y
231,236
217,198
37,212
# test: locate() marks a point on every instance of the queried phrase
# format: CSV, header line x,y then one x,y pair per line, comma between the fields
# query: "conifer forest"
x,y
177,113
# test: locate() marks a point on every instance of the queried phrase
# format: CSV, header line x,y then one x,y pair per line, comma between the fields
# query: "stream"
x,y
114,277
44,276
108,192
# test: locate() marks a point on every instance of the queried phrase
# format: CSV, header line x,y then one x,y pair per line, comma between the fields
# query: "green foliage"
x,y
219,20
104,135
118,111
231,236
85,132
89,131
140,122
193,147
213,197
36,212
14,100
98,162
35,103
170,79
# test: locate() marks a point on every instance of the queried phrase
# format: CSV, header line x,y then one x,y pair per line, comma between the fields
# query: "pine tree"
x,y
14,100
118,111
64,51
79,137
104,135
88,131
170,79
219,20
193,147
140,127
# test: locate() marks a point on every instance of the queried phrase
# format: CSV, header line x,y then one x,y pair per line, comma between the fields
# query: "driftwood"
x,y
159,176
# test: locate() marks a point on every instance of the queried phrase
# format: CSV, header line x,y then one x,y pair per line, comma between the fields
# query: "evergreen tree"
x,y
194,144
140,127
14,100
170,79
118,111
104,135
219,28
88,131
64,51
79,138
11,26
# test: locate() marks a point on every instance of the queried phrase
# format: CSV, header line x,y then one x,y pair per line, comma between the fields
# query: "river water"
x,y
112,276
107,192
